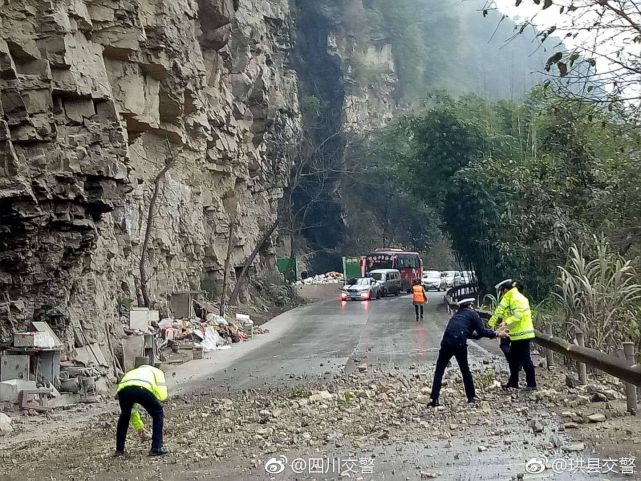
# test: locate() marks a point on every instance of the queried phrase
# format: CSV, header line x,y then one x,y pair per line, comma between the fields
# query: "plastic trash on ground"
x,y
216,319
212,340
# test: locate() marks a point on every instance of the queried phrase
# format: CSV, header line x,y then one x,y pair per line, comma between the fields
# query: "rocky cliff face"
x,y
95,97
348,88
368,70
352,59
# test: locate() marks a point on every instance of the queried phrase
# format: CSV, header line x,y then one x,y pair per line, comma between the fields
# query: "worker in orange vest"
x,y
419,297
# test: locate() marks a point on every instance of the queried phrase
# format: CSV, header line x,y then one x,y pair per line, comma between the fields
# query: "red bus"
x,y
409,264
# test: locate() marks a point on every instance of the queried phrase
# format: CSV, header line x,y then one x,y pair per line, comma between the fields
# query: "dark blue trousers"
x,y
137,395
519,357
444,355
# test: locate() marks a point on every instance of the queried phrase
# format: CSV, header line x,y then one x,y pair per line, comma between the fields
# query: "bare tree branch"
x,y
158,180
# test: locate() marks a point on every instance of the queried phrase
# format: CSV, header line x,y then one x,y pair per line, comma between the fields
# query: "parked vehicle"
x,y
389,280
409,264
432,281
469,277
452,279
361,289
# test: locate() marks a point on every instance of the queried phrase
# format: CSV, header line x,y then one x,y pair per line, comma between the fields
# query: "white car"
x,y
361,289
452,279
432,281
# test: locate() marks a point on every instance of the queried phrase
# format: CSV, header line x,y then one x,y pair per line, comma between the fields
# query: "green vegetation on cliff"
x,y
435,44
516,185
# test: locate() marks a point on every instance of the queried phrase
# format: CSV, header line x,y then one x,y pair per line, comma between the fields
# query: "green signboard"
x,y
288,267
351,267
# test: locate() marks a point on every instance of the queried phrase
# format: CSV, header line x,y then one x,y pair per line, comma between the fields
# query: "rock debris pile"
x,y
328,278
359,412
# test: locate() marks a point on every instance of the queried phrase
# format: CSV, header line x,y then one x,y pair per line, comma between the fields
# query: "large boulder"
x,y
5,424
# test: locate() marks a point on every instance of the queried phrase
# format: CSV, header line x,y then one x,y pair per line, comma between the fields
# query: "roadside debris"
x,y
357,412
40,372
5,425
328,278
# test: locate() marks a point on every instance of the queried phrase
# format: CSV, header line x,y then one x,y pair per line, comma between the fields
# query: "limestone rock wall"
x,y
368,68
95,97
370,79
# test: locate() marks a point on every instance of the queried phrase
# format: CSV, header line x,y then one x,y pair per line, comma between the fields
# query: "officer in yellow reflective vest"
x,y
514,314
145,386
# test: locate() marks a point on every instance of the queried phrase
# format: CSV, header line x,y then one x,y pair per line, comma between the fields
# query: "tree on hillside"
x,y
600,60
517,185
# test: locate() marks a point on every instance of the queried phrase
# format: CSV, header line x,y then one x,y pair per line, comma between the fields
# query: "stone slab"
x,y
90,354
9,390
44,327
14,366
33,339
139,318
132,347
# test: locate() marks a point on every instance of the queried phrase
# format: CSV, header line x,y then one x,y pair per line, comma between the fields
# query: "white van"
x,y
389,280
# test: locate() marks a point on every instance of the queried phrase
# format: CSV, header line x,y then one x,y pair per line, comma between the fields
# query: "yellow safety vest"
x,y
147,377
514,310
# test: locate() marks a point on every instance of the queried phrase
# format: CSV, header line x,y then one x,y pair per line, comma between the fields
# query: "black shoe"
x,y
119,453
433,404
530,388
472,400
159,452
416,318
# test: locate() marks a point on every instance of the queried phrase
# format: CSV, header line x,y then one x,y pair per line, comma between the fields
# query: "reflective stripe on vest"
x,y
137,380
521,335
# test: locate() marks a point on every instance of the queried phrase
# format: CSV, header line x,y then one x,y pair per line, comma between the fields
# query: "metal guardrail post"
x,y
583,374
614,366
630,389
549,353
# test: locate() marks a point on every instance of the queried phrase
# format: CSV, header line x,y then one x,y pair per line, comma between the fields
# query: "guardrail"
x,y
625,369
455,294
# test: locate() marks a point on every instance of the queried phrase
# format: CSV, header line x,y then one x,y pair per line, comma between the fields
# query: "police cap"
x,y
466,302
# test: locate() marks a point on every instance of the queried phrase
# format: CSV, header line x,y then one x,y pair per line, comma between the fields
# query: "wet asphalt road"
x,y
330,337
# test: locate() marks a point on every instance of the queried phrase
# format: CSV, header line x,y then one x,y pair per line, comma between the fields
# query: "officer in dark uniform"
x,y
465,324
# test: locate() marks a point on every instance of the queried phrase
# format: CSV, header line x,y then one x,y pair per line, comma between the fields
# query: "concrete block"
x,y
44,327
5,424
132,347
14,366
139,319
64,400
10,390
33,339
